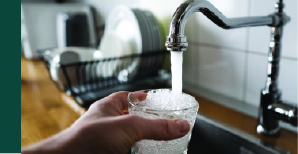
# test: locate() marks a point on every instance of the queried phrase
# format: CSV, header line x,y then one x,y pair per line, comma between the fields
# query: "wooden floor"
x,y
46,111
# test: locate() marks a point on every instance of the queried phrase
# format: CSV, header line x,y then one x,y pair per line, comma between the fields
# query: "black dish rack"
x,y
89,81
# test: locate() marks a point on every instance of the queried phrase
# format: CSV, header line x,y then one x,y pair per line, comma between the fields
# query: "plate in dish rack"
x,y
123,23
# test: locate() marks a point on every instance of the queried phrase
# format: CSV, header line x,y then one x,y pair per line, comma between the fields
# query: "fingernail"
x,y
182,125
137,96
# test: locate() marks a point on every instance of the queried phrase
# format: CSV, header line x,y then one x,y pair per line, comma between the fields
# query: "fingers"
x,y
116,100
137,96
156,129
119,99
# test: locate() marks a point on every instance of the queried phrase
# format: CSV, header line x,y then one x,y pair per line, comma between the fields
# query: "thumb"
x,y
156,129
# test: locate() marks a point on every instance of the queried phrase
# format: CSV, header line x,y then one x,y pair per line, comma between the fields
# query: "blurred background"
x,y
226,66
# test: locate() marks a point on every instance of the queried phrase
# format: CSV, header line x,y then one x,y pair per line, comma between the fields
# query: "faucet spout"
x,y
272,109
176,40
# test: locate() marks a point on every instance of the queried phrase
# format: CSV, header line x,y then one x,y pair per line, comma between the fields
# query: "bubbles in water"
x,y
165,99
163,103
177,146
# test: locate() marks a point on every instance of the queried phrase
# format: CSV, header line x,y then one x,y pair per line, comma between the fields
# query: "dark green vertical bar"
x,y
10,73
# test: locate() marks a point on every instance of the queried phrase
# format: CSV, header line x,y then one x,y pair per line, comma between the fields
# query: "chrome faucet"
x,y
271,107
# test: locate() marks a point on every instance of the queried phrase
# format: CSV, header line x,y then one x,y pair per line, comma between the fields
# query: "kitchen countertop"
x,y
46,111
43,108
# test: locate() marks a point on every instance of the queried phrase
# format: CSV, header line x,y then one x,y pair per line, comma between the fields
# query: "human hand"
x,y
106,128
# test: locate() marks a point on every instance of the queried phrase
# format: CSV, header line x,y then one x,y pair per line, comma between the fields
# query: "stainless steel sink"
x,y
211,137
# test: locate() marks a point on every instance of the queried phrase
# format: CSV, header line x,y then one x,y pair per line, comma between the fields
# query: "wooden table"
x,y
46,111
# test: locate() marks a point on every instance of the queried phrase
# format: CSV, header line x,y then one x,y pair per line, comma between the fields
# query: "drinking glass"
x,y
172,106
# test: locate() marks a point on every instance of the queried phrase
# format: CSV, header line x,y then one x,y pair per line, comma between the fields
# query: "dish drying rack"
x,y
86,83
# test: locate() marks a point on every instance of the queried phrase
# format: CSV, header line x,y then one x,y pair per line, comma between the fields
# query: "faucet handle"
x,y
284,112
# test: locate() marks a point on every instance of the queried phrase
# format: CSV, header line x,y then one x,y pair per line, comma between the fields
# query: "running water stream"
x,y
176,62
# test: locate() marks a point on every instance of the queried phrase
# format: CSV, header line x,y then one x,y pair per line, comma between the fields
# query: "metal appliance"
x,y
40,26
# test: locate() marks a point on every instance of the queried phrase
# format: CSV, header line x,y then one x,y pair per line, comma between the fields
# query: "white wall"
x,y
162,9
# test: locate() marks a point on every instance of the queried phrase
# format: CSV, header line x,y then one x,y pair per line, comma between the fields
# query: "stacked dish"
x,y
151,39
129,31
151,34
